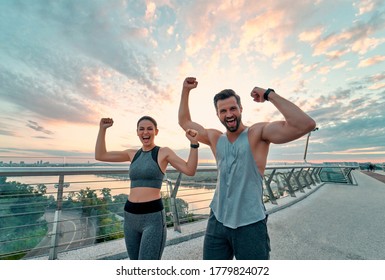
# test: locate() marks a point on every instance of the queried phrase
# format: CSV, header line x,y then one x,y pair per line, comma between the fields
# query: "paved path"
x,y
337,222
376,175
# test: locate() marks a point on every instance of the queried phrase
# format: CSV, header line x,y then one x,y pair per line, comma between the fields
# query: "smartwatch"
x,y
266,94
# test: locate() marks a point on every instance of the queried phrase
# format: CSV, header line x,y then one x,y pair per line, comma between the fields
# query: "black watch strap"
x,y
266,94
194,146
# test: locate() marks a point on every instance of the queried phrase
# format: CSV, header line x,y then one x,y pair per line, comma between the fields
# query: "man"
x,y
237,223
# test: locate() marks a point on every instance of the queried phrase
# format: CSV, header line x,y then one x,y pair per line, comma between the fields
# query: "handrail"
x,y
53,171
108,169
279,180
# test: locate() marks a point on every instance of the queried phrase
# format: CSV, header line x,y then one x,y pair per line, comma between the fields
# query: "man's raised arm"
x,y
184,117
297,123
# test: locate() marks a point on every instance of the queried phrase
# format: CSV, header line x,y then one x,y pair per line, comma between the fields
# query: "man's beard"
x,y
237,121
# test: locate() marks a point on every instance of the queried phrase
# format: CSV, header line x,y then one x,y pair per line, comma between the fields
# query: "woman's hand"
x,y
106,123
192,135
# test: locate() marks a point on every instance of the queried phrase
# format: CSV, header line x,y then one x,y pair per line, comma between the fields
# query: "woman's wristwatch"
x,y
194,146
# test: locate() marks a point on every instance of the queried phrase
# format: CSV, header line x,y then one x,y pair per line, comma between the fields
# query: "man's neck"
x,y
233,135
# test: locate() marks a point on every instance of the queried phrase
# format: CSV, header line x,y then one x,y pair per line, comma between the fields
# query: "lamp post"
x,y
307,143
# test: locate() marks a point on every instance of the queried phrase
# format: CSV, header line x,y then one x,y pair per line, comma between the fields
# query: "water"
x,y
197,198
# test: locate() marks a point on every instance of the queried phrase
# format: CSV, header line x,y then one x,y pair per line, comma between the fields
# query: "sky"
x,y
66,64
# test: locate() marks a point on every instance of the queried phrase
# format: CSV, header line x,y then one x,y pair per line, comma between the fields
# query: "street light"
x,y
307,143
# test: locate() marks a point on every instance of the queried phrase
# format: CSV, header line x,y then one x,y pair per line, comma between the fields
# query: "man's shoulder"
x,y
213,136
255,131
257,127
212,132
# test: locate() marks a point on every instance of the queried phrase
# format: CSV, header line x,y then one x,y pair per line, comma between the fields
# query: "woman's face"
x,y
146,132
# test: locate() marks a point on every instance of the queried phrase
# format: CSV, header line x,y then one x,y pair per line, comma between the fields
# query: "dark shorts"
x,y
250,242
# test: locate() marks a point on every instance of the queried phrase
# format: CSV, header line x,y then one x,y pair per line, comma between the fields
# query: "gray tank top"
x,y
238,195
144,169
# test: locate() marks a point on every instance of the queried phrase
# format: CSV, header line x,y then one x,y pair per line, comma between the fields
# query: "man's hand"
x,y
257,94
106,123
190,83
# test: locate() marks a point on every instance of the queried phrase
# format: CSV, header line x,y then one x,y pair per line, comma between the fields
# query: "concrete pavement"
x,y
337,222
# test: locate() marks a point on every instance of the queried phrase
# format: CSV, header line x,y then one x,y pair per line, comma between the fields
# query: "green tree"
x,y
21,217
88,199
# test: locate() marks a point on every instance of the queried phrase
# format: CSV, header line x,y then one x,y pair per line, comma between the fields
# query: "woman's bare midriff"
x,y
144,194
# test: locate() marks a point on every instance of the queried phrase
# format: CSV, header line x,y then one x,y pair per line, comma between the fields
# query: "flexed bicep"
x,y
280,132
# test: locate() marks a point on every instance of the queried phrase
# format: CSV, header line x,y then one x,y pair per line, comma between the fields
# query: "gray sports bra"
x,y
144,169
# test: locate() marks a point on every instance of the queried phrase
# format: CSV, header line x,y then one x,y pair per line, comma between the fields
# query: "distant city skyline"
x,y
66,64
74,161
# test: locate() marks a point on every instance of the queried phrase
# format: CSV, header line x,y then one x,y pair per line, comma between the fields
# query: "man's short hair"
x,y
224,94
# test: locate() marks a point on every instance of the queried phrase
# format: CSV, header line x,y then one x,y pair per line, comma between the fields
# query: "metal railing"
x,y
44,217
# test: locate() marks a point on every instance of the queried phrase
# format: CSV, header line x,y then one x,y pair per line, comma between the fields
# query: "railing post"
x,y
173,206
56,222
313,174
296,177
268,187
318,174
287,179
307,184
308,174
347,174
280,186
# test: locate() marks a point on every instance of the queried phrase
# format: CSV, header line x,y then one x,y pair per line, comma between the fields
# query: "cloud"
x,y
370,150
355,38
266,33
371,61
38,153
365,6
150,11
374,82
364,45
311,35
68,62
345,123
79,58
7,132
37,127
358,133
377,86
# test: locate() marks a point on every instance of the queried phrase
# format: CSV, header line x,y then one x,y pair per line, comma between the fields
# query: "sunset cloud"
x,y
371,61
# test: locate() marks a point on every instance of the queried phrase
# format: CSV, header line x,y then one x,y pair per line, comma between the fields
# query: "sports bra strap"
x,y
137,154
154,153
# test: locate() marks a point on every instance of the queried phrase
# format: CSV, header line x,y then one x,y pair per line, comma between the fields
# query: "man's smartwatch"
x,y
266,94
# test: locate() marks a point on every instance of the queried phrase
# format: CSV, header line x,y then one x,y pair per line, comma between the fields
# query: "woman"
x,y
144,215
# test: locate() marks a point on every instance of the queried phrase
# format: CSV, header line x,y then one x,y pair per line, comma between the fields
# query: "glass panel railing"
x,y
336,175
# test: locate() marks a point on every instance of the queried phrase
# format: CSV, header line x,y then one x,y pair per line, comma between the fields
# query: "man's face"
x,y
229,113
